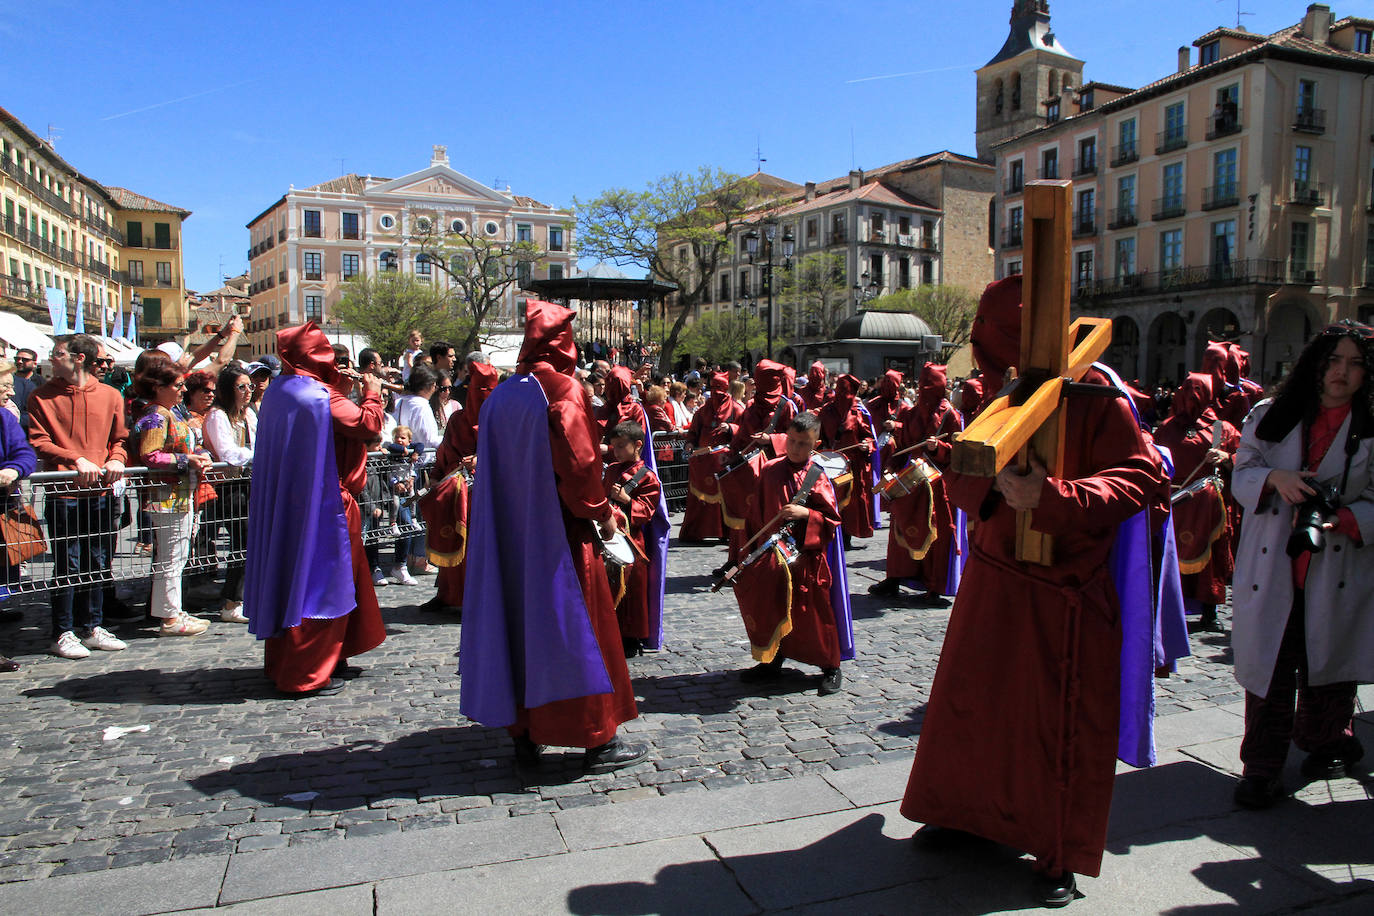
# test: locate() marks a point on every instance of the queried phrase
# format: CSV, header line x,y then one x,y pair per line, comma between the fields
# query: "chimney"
x,y
1184,58
1316,25
810,190
856,178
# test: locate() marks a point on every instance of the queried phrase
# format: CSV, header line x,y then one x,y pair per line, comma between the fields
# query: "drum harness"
x,y
754,452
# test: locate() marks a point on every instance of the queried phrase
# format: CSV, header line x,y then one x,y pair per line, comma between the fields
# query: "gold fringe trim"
x,y
450,560
919,553
1199,563
769,652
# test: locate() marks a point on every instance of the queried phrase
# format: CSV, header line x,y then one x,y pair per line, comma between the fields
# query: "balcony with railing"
x,y
1170,206
1011,237
1086,165
1304,273
95,222
35,187
281,277
281,235
1310,120
312,232
1221,195
1166,141
1223,124
1124,153
17,288
1014,185
153,244
1122,217
1049,171
1368,276
1307,193
1233,273
1085,222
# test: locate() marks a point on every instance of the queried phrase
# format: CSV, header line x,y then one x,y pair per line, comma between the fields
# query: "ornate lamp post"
x,y
136,311
751,245
865,290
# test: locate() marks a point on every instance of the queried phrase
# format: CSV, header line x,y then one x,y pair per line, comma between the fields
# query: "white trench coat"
x,y
1339,590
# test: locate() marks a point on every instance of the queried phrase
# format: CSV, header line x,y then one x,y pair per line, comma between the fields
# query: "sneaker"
x,y
182,625
378,577
104,640
401,576
68,646
421,568
232,612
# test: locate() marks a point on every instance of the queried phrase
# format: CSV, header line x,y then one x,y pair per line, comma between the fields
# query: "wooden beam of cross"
x,y
1026,418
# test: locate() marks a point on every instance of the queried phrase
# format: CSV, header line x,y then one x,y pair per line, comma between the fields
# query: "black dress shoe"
x,y
11,615
888,588
1334,762
527,753
928,599
1258,792
933,836
346,671
633,647
831,681
1055,890
332,687
614,755
763,671
8,664
436,605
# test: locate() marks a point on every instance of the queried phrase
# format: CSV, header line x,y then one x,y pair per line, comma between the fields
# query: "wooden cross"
x,y
1026,417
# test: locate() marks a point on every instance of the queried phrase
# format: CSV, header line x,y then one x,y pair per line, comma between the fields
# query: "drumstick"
x,y
358,377
1216,437
939,438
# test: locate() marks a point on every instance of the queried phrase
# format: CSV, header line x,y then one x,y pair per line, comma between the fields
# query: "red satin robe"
x,y
921,529
1202,529
446,508
575,442
841,427
702,519
303,658
630,586
1020,735
786,609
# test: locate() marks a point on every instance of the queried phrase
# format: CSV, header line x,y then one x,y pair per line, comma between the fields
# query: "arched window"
x,y
422,265
387,260
1016,92
1054,84
999,97
1068,82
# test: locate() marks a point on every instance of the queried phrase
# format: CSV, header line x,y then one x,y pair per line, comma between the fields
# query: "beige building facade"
x,y
309,243
58,231
1230,199
151,253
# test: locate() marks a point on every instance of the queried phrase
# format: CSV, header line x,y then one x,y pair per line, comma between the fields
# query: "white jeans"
x,y
173,533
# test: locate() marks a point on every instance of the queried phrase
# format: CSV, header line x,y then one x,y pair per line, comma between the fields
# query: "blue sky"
x,y
220,107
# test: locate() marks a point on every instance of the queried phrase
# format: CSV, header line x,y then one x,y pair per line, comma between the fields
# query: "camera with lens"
x,y
1308,535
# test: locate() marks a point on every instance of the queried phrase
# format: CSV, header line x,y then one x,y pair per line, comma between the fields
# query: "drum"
x,y
905,481
786,547
617,551
834,464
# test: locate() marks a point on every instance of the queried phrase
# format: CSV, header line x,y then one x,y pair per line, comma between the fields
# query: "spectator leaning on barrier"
x,y
77,424
17,461
165,443
26,381
231,428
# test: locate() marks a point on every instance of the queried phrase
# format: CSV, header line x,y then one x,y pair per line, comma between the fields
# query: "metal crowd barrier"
x,y
670,448
85,523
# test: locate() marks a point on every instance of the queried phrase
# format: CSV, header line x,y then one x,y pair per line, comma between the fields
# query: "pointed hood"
x,y
619,385
846,387
1193,397
996,335
930,389
308,352
1214,364
548,337
768,381
970,397
815,377
890,385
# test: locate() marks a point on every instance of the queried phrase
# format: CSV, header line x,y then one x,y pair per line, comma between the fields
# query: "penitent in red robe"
x,y
712,425
921,524
1019,741
842,426
786,609
630,585
303,658
574,438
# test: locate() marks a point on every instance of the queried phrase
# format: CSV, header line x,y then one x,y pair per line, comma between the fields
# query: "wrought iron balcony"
x,y
1087,165
1308,193
1310,120
1124,153
1123,217
1222,195
1049,171
1085,222
1223,125
1011,237
1014,185
1169,207
1166,141
1233,273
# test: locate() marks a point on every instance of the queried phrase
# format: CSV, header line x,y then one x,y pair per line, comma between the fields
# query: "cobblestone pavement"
x,y
216,763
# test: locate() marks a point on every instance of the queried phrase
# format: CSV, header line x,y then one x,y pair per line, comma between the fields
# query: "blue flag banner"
x,y
117,332
57,309
80,326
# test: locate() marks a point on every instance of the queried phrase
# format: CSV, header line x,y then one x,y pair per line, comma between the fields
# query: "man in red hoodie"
x,y
77,424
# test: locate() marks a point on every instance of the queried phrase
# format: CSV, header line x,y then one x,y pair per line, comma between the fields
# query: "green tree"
x,y
949,310
814,298
679,228
721,336
386,307
481,270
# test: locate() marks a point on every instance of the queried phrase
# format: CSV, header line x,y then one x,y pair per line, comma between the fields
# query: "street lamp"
x,y
865,290
136,311
751,245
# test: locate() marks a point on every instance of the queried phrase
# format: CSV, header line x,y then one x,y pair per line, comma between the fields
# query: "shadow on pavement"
x,y
452,761
155,687
711,692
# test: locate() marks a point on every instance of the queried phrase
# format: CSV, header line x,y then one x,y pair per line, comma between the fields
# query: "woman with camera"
x,y
1303,625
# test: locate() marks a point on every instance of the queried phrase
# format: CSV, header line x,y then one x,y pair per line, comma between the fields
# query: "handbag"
x,y
22,534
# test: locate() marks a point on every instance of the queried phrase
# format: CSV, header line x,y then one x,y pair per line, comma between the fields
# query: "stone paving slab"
x,y
677,876
270,874
684,815
339,901
873,785
121,892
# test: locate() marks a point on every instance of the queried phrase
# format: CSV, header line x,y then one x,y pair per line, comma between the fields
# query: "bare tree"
x,y
814,297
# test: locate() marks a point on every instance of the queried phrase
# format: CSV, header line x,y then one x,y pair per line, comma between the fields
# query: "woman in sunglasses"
x,y
1303,592
231,429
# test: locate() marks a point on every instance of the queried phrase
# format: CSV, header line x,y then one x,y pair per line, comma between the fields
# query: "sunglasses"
x,y
105,362
243,387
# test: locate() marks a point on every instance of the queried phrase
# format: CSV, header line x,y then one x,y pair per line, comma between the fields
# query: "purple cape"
x,y
839,595
299,562
656,535
527,638
875,466
958,553
1146,642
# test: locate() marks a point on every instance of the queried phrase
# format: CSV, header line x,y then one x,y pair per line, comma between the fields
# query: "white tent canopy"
x,y
15,332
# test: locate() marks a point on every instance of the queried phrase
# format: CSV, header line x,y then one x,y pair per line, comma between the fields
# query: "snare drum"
x,y
617,551
905,481
834,464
